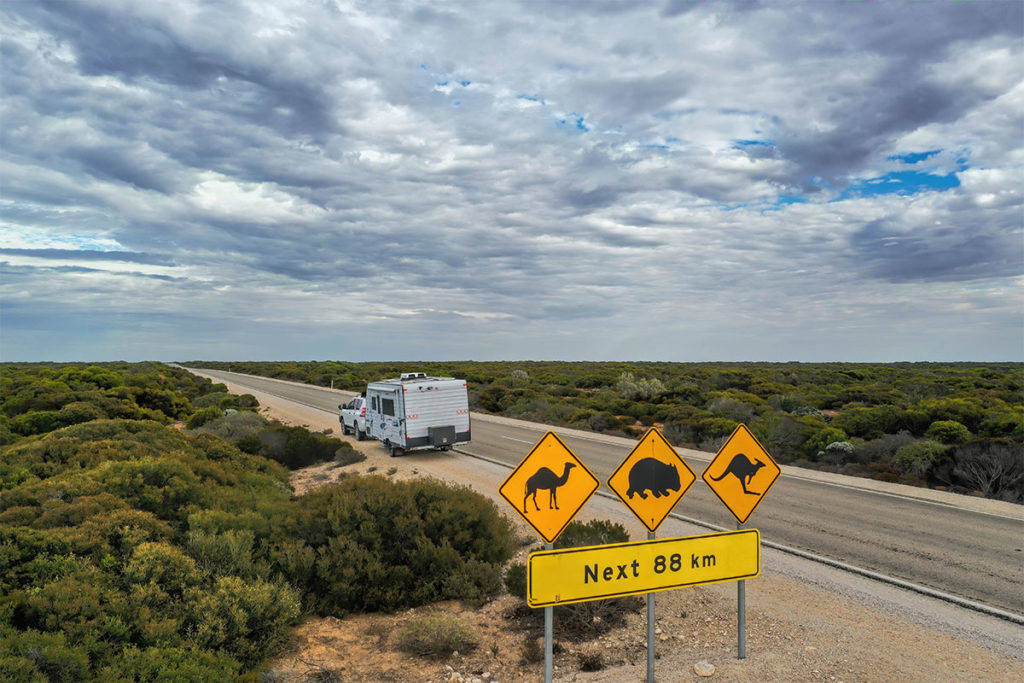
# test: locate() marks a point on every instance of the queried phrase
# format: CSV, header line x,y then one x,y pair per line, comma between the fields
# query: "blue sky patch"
x,y
740,144
913,157
900,182
576,121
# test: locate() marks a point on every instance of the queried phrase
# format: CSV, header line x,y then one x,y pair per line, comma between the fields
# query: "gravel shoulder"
x,y
804,621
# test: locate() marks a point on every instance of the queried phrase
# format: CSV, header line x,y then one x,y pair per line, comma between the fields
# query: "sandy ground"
x,y
802,625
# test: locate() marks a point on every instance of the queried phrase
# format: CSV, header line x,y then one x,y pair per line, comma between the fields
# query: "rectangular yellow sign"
x,y
558,577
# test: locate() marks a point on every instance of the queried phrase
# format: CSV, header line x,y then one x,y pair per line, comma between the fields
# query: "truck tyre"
x,y
360,434
344,429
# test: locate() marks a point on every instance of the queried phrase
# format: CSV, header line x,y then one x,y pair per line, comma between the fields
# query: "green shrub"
x,y
820,440
163,565
515,580
436,635
248,402
918,458
226,553
235,426
78,412
949,432
210,400
368,543
34,656
245,618
170,665
583,620
39,422
296,447
202,416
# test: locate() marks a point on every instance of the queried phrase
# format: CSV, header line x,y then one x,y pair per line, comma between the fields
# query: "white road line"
x,y
519,440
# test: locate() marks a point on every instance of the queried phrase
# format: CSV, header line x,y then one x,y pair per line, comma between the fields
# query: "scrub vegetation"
x,y
148,531
955,426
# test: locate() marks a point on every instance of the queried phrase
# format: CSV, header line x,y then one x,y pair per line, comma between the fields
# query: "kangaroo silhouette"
x,y
744,470
546,479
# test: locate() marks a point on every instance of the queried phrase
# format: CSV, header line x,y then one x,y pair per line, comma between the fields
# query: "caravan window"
x,y
375,407
388,406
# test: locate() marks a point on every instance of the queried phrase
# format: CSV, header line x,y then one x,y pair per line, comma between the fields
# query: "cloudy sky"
x,y
588,179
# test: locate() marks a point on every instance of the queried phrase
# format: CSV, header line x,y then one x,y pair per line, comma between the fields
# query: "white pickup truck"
x,y
352,417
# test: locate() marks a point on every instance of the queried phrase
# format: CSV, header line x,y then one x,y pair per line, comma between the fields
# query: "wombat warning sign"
x,y
652,479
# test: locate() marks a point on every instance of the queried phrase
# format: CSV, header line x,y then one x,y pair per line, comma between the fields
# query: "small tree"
x,y
918,458
949,432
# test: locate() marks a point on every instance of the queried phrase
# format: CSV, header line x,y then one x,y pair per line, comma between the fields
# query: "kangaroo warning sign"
x,y
549,486
652,479
741,473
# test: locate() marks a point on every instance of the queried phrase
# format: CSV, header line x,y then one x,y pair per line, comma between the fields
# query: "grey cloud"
x,y
378,188
947,254
90,255
867,122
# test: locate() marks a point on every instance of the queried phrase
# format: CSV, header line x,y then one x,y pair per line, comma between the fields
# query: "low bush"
x,y
436,635
295,447
235,426
583,620
949,432
918,458
202,416
368,543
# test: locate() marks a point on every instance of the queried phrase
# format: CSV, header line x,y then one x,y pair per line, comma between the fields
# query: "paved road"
x,y
972,554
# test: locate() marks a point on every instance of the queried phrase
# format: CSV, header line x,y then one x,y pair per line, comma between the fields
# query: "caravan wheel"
x,y
394,451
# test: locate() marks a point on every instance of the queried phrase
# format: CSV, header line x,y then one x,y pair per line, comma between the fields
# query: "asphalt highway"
x,y
951,547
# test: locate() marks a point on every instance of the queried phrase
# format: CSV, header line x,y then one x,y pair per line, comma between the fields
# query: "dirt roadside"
x,y
796,630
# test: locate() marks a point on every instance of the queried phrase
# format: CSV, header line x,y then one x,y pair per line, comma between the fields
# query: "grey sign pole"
x,y
650,628
549,614
741,616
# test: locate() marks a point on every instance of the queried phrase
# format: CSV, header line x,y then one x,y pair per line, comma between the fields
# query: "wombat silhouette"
x,y
652,475
546,479
744,470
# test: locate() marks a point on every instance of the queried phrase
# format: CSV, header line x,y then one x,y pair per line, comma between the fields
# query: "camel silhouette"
x,y
546,479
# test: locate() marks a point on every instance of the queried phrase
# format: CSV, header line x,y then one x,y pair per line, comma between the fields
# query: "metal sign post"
x,y
549,627
741,615
538,474
650,628
745,474
650,481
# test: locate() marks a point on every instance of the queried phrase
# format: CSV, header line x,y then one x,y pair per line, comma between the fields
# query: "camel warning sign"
x,y
652,479
549,486
741,473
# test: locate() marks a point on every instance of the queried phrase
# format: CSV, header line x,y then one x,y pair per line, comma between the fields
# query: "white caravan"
x,y
417,412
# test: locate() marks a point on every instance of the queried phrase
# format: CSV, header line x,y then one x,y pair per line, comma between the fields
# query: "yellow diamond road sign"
x,y
549,487
652,479
741,473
